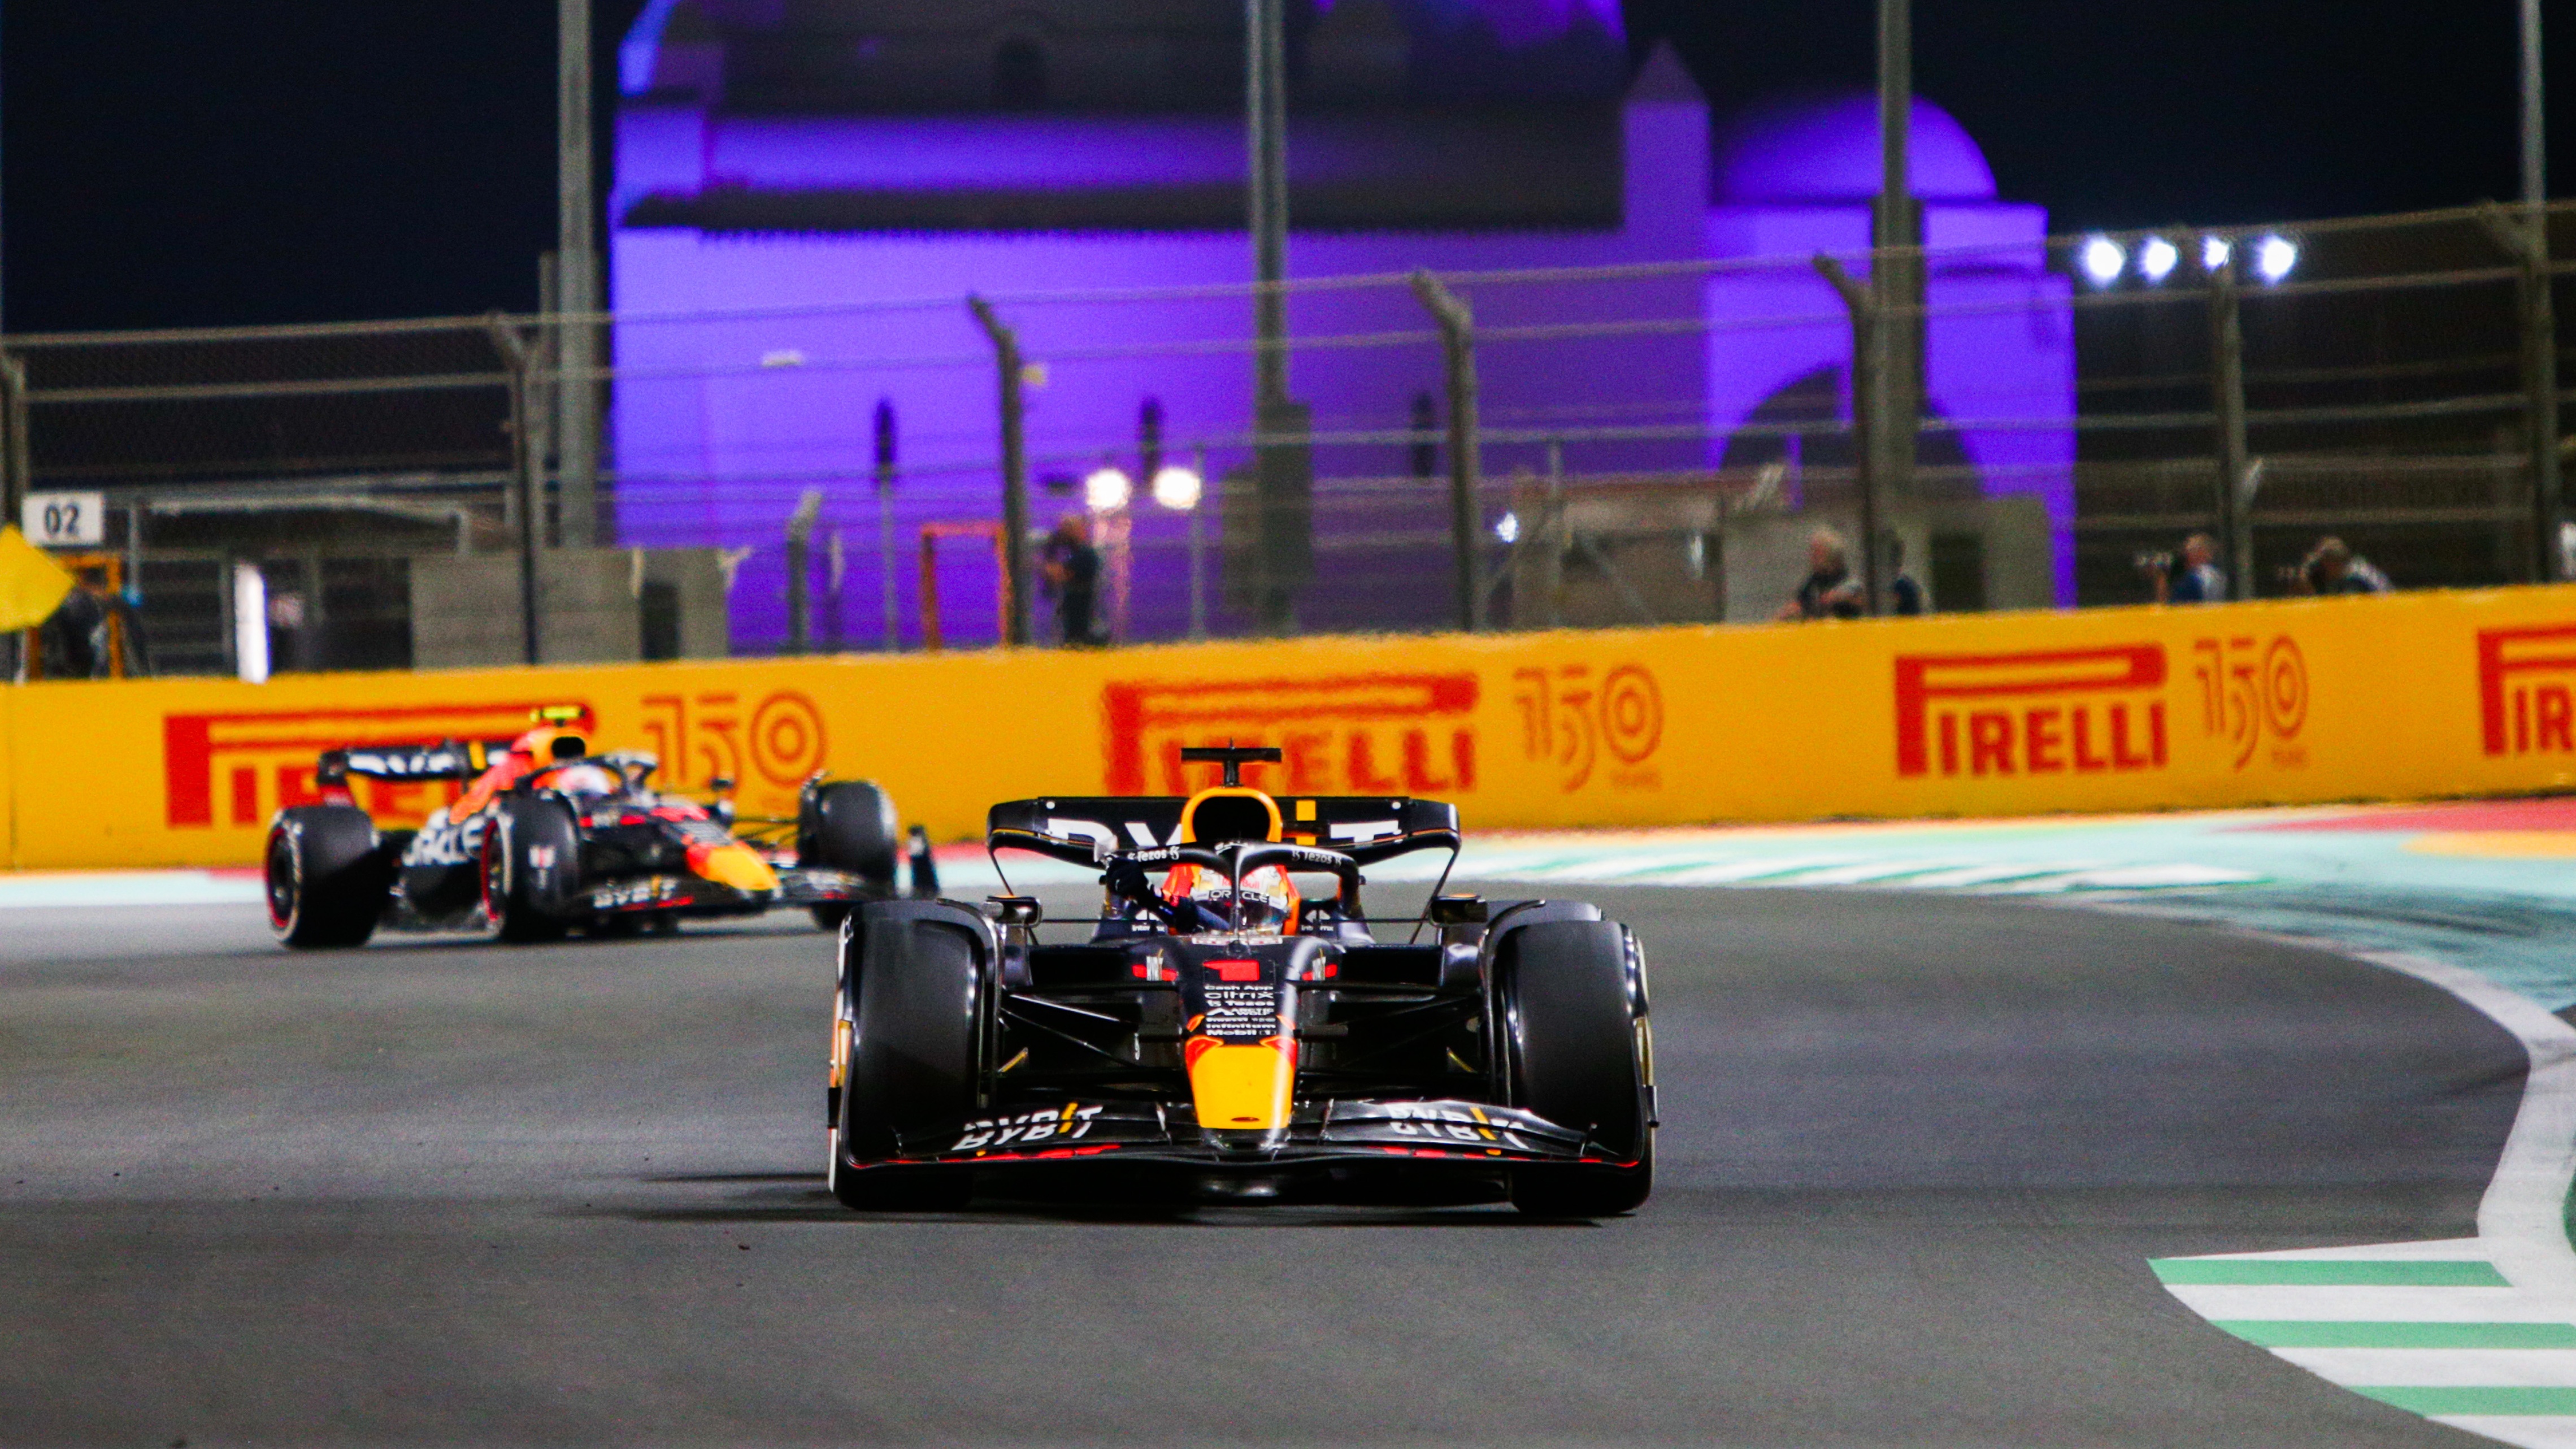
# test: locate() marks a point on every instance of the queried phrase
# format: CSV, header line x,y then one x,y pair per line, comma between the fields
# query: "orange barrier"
x,y
2116,709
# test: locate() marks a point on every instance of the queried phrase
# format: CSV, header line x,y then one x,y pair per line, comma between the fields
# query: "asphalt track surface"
x,y
1916,1153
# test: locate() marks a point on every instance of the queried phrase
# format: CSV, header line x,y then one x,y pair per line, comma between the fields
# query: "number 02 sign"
x,y
66,520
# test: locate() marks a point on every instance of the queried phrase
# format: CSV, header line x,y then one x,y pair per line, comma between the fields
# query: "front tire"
x,y
531,866
1575,1039
326,877
912,1064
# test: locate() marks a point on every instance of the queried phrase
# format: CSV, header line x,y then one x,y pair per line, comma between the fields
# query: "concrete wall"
x,y
465,611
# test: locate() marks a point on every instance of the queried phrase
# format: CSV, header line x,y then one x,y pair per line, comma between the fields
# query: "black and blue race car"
x,y
1218,1027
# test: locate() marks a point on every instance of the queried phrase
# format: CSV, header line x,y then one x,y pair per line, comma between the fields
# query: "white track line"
x,y
2522,1232
2522,1220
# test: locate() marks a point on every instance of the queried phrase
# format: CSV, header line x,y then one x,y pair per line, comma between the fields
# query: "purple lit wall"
x,y
721,421
1794,179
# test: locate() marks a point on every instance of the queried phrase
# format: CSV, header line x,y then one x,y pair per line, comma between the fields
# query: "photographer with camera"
x,y
2333,568
2190,578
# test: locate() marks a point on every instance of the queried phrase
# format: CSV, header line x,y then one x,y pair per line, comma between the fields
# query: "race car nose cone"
x,y
1242,1088
735,866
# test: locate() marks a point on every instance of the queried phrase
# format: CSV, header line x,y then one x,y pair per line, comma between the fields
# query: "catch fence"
x,y
1634,444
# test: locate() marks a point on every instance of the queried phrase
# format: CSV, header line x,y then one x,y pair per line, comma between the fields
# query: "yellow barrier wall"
x,y
2117,709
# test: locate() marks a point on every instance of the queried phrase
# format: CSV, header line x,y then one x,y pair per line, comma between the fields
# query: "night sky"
x,y
173,164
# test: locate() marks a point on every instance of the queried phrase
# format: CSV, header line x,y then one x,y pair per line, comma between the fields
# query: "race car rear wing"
x,y
447,760
1087,828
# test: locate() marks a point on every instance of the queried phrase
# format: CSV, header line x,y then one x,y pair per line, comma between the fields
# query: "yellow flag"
x,y
32,585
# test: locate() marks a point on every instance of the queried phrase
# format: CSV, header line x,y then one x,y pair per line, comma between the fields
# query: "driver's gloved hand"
x,y
1126,880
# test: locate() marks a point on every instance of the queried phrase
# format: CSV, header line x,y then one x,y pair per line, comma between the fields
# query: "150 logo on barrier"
x,y
2251,691
1576,721
1361,734
2524,703
255,763
706,736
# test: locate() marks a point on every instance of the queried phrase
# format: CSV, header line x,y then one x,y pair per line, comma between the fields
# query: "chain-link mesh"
x,y
1652,443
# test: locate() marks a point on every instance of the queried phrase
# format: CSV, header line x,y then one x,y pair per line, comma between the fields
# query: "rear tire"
x,y
912,1065
1575,1040
850,826
328,884
531,867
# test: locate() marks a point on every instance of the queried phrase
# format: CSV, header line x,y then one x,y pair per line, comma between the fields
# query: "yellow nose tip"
x,y
736,866
1243,1086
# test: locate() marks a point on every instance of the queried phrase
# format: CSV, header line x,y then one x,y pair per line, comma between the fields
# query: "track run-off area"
x,y
2063,1133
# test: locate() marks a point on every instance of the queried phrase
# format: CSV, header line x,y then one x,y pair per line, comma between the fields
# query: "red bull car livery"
x,y
1234,1017
546,837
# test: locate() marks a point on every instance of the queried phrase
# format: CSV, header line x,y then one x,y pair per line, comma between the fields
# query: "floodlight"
x,y
1107,490
2102,260
2215,251
1177,489
2157,259
1509,530
2275,257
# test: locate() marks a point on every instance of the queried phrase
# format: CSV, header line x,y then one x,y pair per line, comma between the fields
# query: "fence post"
x,y
1198,550
835,635
800,580
523,478
885,523
1869,413
1015,470
2527,240
17,469
1554,537
17,457
1458,350
2227,378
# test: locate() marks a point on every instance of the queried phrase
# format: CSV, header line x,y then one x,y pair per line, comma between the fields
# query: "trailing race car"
x,y
1219,1025
547,837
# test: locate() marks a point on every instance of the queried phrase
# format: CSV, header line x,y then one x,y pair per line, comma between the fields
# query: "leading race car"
x,y
547,837
1221,1025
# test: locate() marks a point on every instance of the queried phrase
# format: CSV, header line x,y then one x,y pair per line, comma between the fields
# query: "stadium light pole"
x,y
577,245
2541,323
1895,277
1284,461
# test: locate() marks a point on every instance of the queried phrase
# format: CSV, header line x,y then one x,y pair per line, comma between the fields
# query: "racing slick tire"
x,y
326,877
911,1059
531,865
849,825
1574,1038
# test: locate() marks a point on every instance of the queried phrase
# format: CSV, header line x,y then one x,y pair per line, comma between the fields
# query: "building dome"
x,y
1826,149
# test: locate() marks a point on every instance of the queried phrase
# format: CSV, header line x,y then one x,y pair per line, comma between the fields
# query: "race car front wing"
x,y
1458,1132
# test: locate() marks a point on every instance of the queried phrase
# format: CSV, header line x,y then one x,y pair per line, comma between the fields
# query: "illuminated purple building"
x,y
792,172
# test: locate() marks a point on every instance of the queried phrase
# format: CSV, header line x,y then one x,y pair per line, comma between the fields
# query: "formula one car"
x,y
547,837
1220,1027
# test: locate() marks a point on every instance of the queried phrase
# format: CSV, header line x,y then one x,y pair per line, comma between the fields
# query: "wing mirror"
x,y
1016,910
1458,910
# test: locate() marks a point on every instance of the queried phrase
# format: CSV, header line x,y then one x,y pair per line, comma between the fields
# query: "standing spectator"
x,y
1904,591
1071,567
1830,591
2333,568
76,639
2191,577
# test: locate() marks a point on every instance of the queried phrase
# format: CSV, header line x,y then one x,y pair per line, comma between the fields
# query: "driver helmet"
x,y
1268,899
